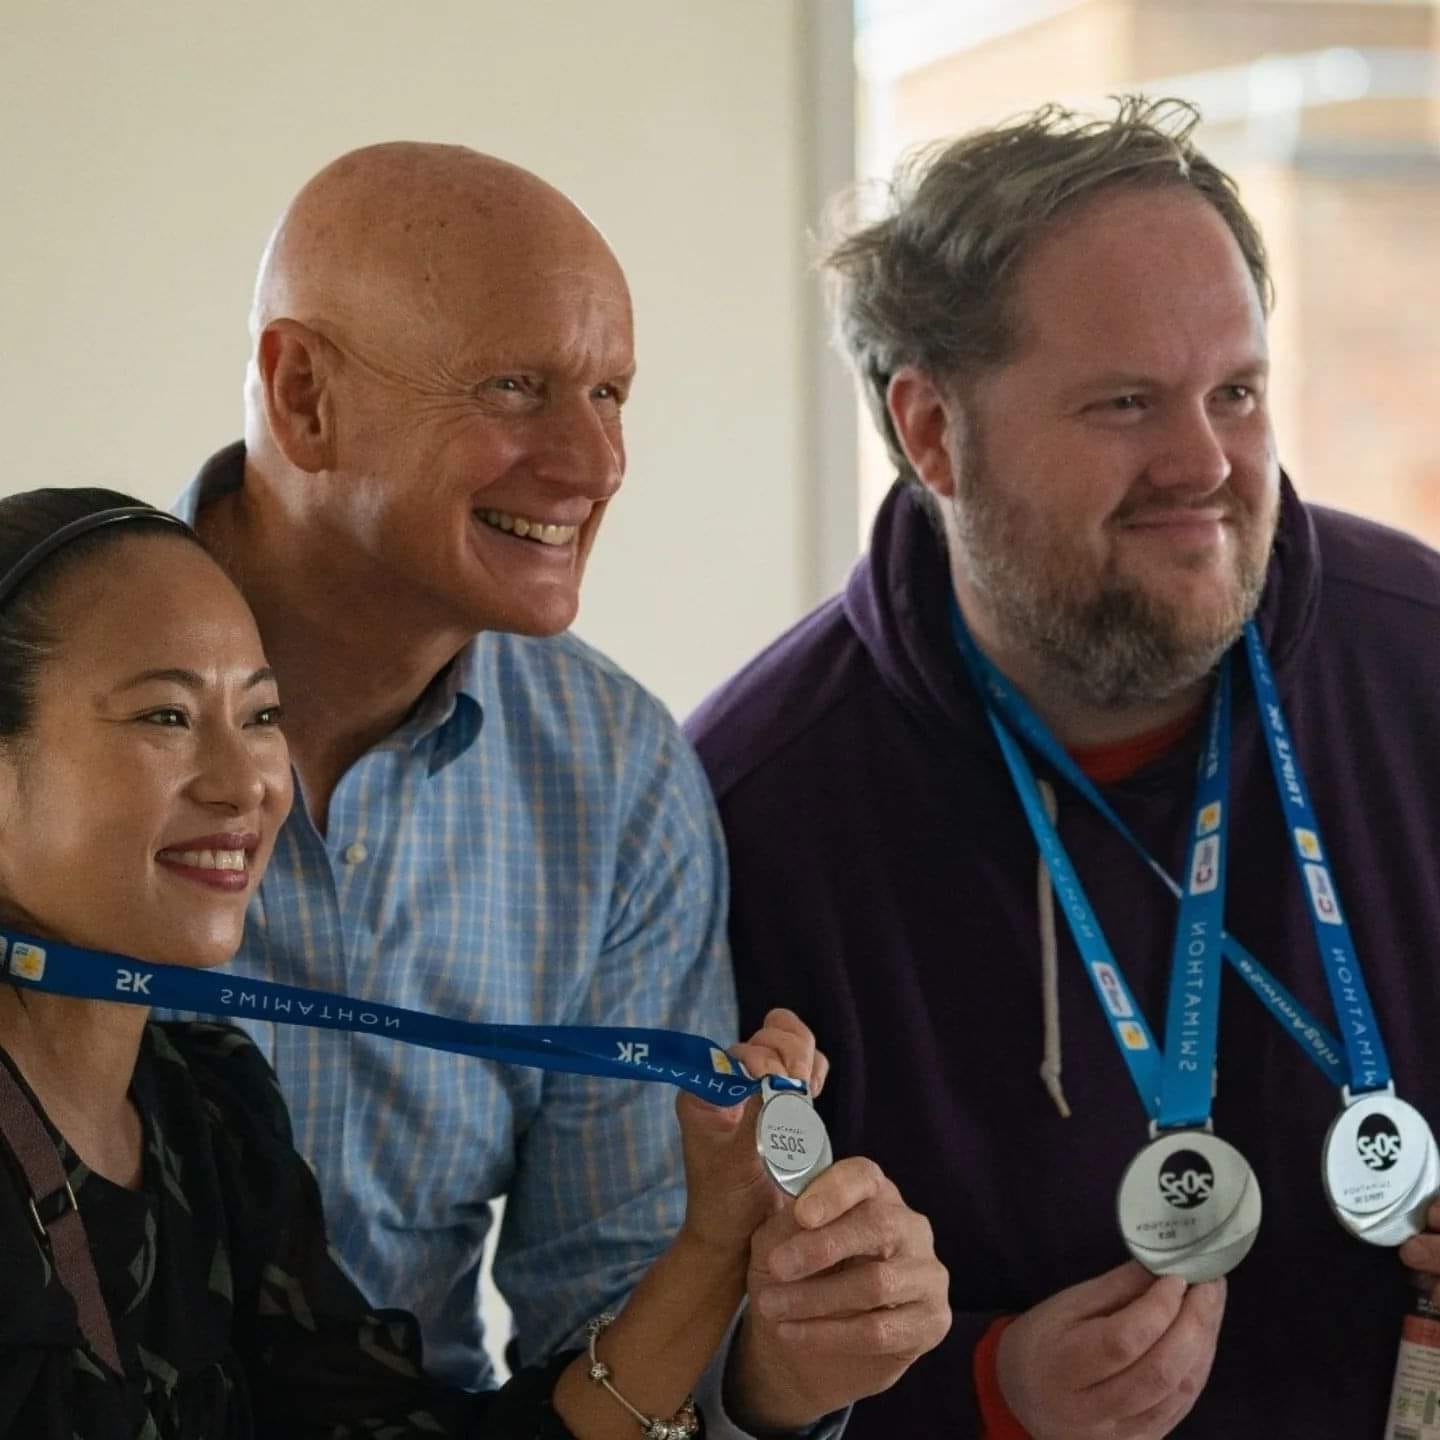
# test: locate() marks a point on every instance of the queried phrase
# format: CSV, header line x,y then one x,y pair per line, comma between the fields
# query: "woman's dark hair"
x,y
27,521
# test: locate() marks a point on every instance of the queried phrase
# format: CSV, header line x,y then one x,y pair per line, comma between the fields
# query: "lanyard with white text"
x,y
1369,1066
667,1056
1174,1086
1004,703
1188,1203
1379,1163
1192,1021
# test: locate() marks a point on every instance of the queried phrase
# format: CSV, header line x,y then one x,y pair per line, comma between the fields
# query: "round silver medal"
x,y
1380,1168
791,1138
1189,1205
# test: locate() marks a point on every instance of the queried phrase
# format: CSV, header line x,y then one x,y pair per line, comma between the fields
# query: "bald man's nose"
x,y
583,451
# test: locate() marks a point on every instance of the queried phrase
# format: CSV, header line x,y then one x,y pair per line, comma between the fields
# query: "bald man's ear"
x,y
919,413
294,365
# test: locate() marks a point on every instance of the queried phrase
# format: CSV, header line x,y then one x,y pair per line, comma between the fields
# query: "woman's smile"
x,y
221,861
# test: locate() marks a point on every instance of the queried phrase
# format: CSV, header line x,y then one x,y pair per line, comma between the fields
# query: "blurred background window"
x,y
1327,113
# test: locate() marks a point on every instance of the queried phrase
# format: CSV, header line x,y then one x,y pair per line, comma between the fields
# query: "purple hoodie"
x,y
885,887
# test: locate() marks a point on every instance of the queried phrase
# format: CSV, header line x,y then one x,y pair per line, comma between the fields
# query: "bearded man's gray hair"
x,y
930,283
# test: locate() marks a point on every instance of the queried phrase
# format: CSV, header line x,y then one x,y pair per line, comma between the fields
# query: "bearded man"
x,y
1060,329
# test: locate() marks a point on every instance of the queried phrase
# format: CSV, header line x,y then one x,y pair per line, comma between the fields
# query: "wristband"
x,y
996,1418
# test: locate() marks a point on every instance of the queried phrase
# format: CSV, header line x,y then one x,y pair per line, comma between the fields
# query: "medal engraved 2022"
x,y
791,1138
1189,1205
1380,1168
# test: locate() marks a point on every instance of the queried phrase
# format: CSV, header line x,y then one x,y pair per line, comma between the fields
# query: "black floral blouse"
x,y
232,1319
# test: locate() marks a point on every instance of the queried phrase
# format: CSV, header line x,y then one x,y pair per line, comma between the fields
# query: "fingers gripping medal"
x,y
1189,1205
1380,1168
790,1135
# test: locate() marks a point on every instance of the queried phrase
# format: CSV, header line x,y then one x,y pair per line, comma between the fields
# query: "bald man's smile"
x,y
527,527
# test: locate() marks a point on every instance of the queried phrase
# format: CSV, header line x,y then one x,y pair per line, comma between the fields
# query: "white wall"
x,y
149,144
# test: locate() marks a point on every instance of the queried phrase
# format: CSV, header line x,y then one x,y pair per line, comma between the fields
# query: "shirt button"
x,y
357,852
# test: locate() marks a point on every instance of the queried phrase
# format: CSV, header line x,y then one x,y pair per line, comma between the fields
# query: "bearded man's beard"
x,y
1108,640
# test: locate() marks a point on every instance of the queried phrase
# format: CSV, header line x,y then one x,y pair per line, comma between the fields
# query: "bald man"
x,y
492,821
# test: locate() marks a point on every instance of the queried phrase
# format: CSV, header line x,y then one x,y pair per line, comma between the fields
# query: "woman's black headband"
x,y
41,552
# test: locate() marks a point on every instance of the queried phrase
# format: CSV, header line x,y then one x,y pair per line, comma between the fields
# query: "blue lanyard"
x,y
1369,1066
1175,1086
666,1056
1192,1020
1132,1035
1009,711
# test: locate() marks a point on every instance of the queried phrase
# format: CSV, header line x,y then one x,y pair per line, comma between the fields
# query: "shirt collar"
x,y
223,472
450,710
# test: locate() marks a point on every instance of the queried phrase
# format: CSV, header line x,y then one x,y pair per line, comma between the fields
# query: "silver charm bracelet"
x,y
682,1425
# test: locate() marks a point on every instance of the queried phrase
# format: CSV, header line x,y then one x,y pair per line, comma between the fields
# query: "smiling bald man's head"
x,y
440,337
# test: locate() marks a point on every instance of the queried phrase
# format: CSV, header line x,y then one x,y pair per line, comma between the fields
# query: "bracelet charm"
x,y
682,1425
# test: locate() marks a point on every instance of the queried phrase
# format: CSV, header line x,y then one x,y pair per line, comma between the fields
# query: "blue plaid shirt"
x,y
535,844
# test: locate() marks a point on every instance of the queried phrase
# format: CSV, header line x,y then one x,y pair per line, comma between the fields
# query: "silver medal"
x,y
791,1138
1380,1168
1189,1205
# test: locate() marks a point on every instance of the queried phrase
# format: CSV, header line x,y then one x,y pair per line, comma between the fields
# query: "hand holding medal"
x,y
821,1266
1380,1164
790,1136
1122,1353
1422,1254
731,1189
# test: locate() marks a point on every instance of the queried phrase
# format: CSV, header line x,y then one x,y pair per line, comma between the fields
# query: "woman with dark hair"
x,y
174,1281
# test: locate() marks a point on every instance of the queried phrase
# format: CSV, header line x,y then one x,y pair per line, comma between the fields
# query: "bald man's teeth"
x,y
528,529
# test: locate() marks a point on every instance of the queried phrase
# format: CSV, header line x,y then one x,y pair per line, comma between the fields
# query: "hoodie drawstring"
x,y
1049,967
